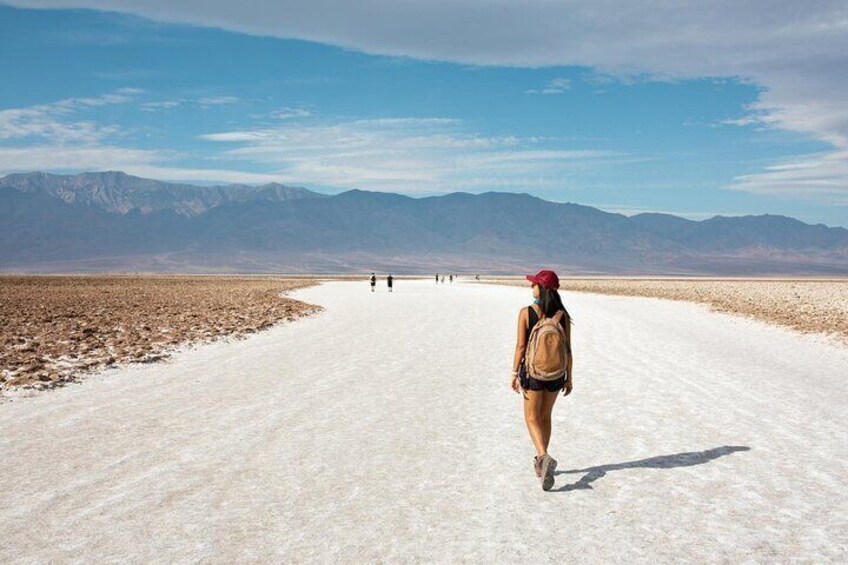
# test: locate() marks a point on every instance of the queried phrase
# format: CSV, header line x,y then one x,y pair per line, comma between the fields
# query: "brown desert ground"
x,y
56,328
806,305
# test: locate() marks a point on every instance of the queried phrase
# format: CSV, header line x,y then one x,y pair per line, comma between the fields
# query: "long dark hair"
x,y
550,303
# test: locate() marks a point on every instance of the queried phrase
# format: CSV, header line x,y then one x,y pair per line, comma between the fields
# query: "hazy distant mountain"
x,y
112,221
114,191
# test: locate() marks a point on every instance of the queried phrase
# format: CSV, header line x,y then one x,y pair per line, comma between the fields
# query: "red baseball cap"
x,y
547,279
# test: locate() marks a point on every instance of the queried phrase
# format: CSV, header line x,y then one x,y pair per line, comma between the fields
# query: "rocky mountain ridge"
x,y
113,221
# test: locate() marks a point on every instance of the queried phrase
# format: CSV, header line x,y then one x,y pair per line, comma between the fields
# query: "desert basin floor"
x,y
383,429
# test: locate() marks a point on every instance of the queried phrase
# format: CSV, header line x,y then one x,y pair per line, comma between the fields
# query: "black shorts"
x,y
529,383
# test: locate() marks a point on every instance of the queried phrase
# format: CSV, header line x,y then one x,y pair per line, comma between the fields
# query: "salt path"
x,y
384,430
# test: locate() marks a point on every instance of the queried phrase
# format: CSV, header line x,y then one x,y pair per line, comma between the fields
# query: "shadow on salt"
x,y
686,459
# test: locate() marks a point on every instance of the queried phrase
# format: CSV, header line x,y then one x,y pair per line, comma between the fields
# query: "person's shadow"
x,y
686,459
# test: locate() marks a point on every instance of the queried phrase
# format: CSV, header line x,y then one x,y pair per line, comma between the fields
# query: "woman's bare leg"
x,y
548,401
533,400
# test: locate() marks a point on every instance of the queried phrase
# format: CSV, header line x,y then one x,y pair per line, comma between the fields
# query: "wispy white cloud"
x,y
554,86
290,113
74,157
51,137
203,103
743,121
407,154
161,105
54,122
819,177
207,101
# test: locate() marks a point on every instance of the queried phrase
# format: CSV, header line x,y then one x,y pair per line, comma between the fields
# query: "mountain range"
x,y
111,221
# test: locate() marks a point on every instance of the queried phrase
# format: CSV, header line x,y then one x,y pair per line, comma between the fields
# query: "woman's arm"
x,y
569,382
521,339
520,346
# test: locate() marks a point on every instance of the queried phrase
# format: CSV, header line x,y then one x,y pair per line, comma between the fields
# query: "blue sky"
x,y
187,101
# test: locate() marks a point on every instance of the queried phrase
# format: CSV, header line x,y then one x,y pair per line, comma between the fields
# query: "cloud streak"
x,y
821,177
404,154
202,103
49,122
52,137
555,86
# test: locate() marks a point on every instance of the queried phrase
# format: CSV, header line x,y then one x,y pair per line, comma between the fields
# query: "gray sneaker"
x,y
537,465
548,466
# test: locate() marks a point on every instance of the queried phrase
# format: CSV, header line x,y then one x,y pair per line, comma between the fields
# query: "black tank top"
x,y
533,318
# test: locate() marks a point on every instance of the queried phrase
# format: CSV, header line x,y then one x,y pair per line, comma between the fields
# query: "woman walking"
x,y
540,394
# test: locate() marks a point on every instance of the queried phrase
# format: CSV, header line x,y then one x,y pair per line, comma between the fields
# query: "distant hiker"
x,y
373,282
451,278
443,279
542,365
477,277
389,281
437,278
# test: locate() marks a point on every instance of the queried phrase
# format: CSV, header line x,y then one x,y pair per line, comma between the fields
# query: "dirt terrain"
x,y
54,329
807,305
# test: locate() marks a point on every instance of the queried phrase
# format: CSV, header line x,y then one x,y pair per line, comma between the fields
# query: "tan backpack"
x,y
546,358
